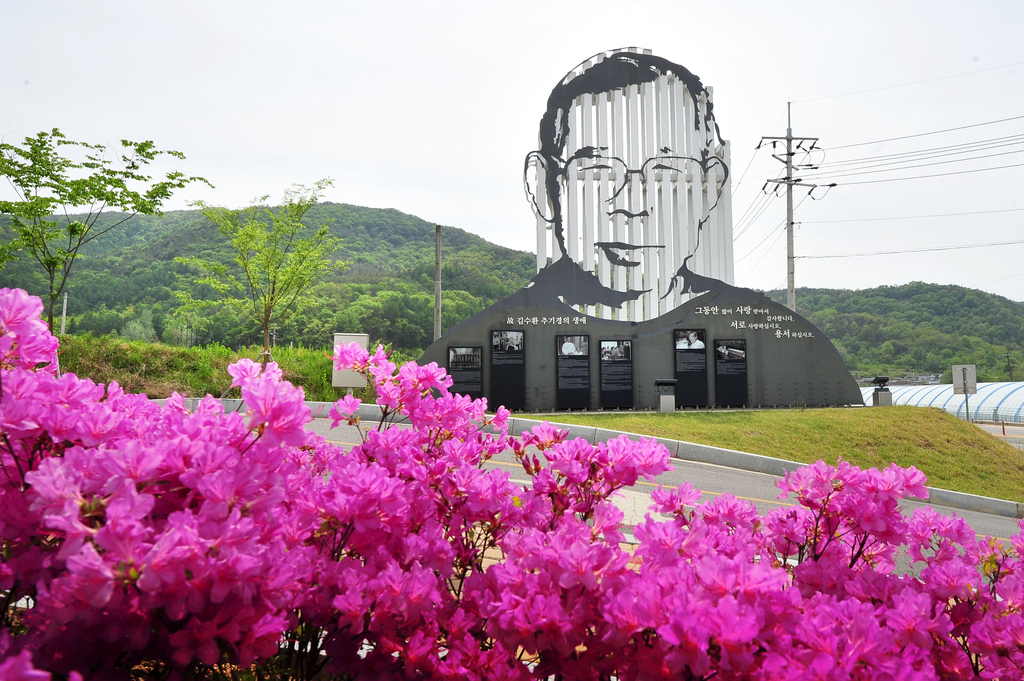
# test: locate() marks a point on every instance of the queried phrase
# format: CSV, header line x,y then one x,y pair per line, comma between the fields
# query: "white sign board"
x,y
965,380
346,378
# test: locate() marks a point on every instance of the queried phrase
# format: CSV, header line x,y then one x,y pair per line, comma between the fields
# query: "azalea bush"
x,y
152,541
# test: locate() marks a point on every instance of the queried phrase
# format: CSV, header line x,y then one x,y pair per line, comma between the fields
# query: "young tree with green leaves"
x,y
277,259
58,201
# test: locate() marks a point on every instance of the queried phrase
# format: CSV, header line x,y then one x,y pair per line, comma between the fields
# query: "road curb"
x,y
684,451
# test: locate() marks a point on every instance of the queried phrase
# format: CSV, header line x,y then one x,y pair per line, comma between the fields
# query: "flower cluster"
x,y
153,540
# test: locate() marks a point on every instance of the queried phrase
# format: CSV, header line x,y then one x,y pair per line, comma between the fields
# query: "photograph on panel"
x,y
507,340
731,349
689,339
573,345
616,350
465,358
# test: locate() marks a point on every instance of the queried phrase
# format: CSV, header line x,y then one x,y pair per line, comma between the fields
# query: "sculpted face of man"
x,y
613,74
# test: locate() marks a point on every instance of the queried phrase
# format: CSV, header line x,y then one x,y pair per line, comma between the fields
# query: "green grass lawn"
x,y
158,370
953,454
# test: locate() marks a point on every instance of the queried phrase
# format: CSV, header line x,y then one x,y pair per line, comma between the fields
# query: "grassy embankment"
x,y
158,370
953,454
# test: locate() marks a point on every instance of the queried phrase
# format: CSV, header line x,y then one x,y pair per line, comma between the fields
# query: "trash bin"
x,y
667,394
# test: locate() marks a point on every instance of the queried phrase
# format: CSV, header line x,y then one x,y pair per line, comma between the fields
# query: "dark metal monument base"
x,y
757,353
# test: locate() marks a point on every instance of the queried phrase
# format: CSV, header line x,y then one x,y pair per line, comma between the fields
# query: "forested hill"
x,y
918,328
129,274
126,281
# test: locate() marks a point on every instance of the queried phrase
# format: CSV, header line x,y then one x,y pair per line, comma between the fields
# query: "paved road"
x,y
1010,434
712,480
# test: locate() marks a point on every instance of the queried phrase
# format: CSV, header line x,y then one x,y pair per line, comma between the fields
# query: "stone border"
x,y
687,451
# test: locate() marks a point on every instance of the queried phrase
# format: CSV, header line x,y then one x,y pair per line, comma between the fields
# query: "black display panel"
x,y
731,373
691,359
572,365
508,370
616,374
466,367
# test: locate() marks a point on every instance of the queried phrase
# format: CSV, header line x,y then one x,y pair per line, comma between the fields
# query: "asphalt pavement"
x,y
1011,434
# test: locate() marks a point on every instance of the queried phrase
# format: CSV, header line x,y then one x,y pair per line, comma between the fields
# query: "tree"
x,y
52,191
277,263
140,327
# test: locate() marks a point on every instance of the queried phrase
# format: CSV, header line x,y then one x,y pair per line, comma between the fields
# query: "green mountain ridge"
x,y
918,328
130,275
386,291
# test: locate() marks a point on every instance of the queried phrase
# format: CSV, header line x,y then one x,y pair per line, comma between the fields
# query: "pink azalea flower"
x,y
146,533
350,356
242,370
345,410
19,667
196,641
278,409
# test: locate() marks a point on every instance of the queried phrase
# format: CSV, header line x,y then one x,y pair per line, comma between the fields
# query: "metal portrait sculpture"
x,y
639,132
630,187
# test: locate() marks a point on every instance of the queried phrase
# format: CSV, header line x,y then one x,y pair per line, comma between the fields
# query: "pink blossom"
x,y
19,667
350,356
345,410
276,409
196,640
241,370
141,534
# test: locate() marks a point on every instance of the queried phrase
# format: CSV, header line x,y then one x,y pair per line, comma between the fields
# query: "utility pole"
x,y
1008,364
790,182
790,264
437,282
967,397
64,314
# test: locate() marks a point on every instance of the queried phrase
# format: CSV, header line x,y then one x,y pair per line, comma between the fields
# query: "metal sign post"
x,y
965,382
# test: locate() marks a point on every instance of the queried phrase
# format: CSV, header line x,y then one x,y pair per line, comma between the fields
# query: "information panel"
x,y
508,371
573,367
691,368
466,367
730,373
616,374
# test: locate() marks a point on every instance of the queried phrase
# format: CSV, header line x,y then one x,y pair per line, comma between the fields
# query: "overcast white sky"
x,y
430,108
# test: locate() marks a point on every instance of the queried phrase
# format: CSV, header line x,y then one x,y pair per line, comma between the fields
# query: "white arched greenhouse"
x,y
999,402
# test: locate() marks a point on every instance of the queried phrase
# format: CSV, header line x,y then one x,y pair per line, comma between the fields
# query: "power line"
x,y
921,177
749,163
856,172
925,134
933,152
1012,276
770,197
916,82
751,251
755,205
754,211
912,250
754,155
769,250
913,217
